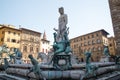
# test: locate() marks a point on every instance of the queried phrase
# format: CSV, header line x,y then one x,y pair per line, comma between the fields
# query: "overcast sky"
x,y
84,16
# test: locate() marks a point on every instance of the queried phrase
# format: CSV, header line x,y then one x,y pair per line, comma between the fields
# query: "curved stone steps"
x,y
4,77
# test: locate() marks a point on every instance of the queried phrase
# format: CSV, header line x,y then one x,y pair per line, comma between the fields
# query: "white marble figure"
x,y
62,21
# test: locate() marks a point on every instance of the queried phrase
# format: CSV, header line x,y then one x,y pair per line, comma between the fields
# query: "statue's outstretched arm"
x,y
55,29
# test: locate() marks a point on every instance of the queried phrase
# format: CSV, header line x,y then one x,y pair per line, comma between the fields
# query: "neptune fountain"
x,y
61,64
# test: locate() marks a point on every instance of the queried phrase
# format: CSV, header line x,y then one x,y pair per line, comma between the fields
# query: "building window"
x,y
43,50
14,33
99,48
77,45
18,34
81,44
92,36
46,51
9,32
31,49
1,39
13,40
84,38
8,39
76,40
85,44
88,37
94,49
2,32
18,41
89,42
81,39
85,50
11,49
74,46
97,35
93,42
110,45
104,41
109,39
24,48
89,49
37,49
31,39
98,41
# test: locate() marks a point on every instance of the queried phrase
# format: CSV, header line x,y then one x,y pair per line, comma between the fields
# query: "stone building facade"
x,y
94,42
45,44
30,43
112,45
115,14
9,36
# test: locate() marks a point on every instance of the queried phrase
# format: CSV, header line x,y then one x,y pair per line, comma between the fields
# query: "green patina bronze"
x,y
59,47
115,57
61,43
90,69
16,55
106,51
117,60
65,66
36,68
62,47
6,63
13,56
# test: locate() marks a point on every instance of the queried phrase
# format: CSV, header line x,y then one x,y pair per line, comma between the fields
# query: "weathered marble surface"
x,y
82,65
112,76
48,71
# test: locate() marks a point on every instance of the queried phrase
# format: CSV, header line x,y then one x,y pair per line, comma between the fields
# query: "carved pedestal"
x,y
104,59
62,62
18,61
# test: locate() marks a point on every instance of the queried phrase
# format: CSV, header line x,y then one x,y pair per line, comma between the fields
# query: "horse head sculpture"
x,y
106,51
42,56
17,52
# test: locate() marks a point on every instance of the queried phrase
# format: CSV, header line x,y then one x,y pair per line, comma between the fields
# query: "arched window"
x,y
43,50
92,41
94,49
31,49
98,41
89,42
24,48
89,49
46,51
110,45
99,48
37,49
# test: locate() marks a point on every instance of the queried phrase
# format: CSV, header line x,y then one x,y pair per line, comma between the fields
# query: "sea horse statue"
x,y
90,69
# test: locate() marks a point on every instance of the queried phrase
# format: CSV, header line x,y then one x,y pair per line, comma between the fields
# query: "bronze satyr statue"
x,y
36,68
